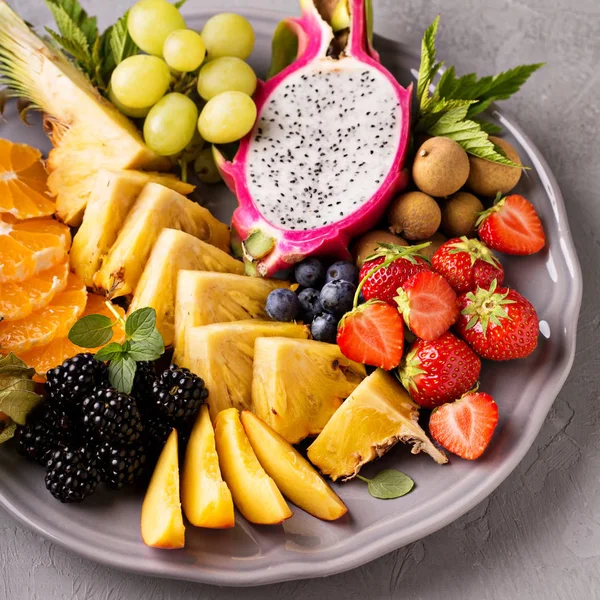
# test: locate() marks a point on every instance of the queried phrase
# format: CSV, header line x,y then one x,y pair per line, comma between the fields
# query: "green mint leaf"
x,y
489,128
180,3
73,47
471,137
7,432
121,372
91,331
110,352
75,11
17,389
121,44
140,324
150,348
389,484
435,109
70,30
429,67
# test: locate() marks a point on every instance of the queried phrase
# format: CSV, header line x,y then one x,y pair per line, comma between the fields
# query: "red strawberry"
x,y
466,426
512,226
373,334
390,267
439,371
467,264
428,304
498,323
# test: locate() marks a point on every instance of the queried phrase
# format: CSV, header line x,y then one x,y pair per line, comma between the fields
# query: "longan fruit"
x,y
368,243
437,239
460,213
414,215
441,167
487,178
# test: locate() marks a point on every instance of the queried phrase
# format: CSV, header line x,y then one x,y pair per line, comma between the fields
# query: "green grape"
x,y
140,81
184,50
227,117
150,22
170,124
205,167
134,113
228,34
226,74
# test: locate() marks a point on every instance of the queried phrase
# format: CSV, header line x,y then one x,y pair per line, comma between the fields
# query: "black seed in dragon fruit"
x,y
327,151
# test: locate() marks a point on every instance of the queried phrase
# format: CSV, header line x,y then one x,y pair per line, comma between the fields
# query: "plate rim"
x,y
373,549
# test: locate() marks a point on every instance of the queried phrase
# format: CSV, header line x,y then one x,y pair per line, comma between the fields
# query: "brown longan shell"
x,y
366,245
460,213
441,167
414,215
487,178
437,239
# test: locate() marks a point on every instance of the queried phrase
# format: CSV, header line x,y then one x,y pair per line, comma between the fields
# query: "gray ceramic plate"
x,y
106,528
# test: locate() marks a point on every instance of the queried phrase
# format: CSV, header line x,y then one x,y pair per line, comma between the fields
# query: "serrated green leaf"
x,y
79,16
70,29
180,3
489,128
78,52
434,110
389,484
110,352
140,324
17,395
429,67
12,360
121,373
8,432
149,348
91,331
121,44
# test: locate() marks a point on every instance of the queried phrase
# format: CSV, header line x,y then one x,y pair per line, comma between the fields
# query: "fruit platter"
x,y
277,295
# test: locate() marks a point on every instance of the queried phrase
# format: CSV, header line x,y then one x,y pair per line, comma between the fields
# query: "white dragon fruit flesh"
x,y
327,151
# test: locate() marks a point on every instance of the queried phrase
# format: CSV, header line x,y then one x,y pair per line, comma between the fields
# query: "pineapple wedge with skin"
x,y
175,250
87,131
204,298
299,384
223,353
156,208
377,415
111,199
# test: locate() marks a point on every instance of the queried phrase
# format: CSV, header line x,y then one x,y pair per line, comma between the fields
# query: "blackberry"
x,y
178,394
121,465
156,431
111,416
34,440
68,477
69,383
145,378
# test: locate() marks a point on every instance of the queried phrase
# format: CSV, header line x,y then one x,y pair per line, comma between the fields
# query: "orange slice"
x,y
44,358
23,178
43,325
19,300
29,247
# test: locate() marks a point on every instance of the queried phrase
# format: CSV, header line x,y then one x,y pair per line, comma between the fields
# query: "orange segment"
x,y
43,325
44,358
29,247
18,300
23,182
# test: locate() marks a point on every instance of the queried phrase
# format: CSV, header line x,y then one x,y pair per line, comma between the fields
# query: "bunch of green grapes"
x,y
214,60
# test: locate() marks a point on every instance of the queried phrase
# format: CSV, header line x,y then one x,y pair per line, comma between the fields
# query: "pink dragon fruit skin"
x,y
366,172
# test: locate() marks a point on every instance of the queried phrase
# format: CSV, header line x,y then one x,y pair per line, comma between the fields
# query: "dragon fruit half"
x,y
327,150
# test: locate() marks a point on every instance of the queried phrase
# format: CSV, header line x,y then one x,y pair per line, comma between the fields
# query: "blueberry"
x,y
282,305
310,304
337,296
324,328
310,272
343,270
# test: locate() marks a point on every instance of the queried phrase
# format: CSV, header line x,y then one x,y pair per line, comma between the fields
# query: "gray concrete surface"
x,y
538,535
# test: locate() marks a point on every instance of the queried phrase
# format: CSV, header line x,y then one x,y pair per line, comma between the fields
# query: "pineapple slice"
x,y
157,207
111,200
377,415
88,132
222,354
299,384
204,298
175,250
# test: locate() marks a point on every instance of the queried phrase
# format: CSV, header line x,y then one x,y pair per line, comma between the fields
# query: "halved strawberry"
x,y
429,305
373,334
467,264
512,226
466,426
438,371
386,270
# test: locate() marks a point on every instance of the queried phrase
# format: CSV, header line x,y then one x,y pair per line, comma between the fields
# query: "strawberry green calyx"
x,y
485,306
357,309
498,204
476,250
409,369
403,305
